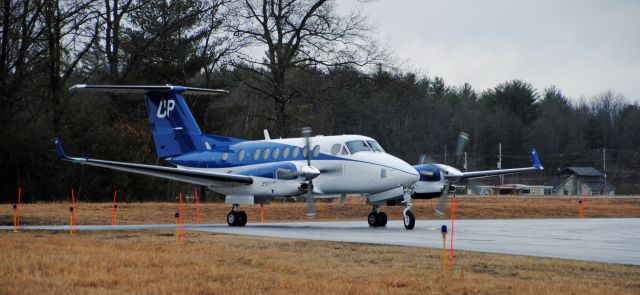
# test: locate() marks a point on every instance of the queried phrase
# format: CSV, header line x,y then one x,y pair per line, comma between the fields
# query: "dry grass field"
x,y
150,262
354,209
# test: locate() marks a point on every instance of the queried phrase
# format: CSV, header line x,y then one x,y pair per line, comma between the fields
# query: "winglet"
x,y
59,149
535,160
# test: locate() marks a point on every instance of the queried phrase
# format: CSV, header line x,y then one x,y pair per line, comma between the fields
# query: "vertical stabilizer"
x,y
174,128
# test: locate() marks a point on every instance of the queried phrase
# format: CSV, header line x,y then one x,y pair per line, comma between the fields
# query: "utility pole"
x,y
445,155
605,191
500,162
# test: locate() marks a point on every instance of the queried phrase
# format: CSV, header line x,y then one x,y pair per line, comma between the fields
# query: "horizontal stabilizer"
x,y
190,176
535,166
143,89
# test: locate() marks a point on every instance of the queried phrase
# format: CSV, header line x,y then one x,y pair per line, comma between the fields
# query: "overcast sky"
x,y
583,47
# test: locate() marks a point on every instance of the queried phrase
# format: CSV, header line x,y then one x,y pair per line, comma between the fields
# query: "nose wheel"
x,y
409,220
407,216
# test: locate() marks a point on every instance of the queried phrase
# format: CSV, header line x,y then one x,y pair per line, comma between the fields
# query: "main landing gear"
x,y
376,218
236,217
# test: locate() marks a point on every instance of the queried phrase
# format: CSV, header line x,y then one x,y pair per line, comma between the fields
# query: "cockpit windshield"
x,y
375,146
357,146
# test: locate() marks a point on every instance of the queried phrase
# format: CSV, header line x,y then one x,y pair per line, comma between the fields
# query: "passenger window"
x,y
256,154
316,151
305,152
296,151
285,153
225,156
335,149
240,155
266,153
276,153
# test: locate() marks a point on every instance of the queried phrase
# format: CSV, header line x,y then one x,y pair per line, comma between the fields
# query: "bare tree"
x,y
19,48
296,35
71,29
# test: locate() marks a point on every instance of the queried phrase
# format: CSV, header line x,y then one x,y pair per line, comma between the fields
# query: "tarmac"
x,y
609,240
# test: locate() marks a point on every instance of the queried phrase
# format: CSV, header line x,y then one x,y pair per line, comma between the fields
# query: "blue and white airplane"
x,y
255,171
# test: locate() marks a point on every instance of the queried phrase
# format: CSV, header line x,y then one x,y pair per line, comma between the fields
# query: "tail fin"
x,y
175,131
535,160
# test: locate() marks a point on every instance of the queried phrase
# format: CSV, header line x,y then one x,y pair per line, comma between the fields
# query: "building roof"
x,y
582,171
599,186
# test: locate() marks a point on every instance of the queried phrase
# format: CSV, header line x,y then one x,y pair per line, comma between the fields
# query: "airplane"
x,y
256,171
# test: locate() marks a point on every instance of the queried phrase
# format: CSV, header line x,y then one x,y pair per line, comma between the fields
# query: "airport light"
x,y
443,230
15,220
177,216
71,220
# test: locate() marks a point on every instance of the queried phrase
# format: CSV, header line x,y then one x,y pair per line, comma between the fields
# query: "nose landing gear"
x,y
408,217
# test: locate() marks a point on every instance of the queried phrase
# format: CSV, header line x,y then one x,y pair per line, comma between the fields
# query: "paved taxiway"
x,y
613,240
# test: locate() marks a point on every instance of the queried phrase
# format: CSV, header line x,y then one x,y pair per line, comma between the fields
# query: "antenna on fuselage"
x,y
266,135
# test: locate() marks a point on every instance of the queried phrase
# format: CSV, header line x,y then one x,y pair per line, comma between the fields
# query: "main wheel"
x,y
381,220
242,218
232,218
409,220
372,219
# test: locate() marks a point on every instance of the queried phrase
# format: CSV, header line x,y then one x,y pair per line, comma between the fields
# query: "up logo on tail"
x,y
165,107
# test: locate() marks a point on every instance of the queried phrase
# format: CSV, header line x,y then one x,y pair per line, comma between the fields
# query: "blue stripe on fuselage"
x,y
213,158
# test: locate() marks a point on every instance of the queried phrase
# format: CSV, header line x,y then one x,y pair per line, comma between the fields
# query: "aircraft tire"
x,y
233,218
372,219
409,220
242,218
381,219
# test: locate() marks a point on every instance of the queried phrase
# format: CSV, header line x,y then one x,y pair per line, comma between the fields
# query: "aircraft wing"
x,y
535,166
190,176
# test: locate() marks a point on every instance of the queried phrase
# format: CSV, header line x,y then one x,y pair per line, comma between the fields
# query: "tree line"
x,y
287,64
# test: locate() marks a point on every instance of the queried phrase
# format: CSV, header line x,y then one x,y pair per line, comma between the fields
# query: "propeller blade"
x,y
444,197
343,200
463,138
422,158
311,206
306,132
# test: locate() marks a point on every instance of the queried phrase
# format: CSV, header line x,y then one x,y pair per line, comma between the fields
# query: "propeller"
x,y
463,138
311,206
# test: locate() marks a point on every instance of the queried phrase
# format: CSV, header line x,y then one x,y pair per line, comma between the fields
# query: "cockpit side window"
x,y
375,146
357,146
344,151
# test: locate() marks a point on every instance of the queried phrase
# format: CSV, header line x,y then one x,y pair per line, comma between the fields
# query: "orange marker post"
x,y
114,208
262,213
181,213
19,194
453,214
197,207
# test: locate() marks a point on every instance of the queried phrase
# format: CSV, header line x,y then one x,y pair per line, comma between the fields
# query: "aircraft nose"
x,y
408,175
